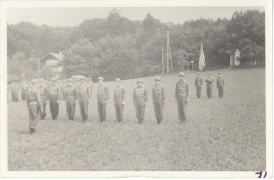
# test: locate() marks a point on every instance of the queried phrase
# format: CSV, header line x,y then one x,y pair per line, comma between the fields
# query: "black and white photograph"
x,y
99,88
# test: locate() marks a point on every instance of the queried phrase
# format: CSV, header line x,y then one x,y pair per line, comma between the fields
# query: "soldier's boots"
x,y
32,131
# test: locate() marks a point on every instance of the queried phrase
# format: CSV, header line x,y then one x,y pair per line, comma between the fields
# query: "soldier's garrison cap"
x,y
181,74
139,81
100,78
157,79
117,80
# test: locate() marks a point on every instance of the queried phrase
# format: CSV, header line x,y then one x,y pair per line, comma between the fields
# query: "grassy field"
x,y
220,134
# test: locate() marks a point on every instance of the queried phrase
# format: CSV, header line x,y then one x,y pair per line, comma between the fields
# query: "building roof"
x,y
59,56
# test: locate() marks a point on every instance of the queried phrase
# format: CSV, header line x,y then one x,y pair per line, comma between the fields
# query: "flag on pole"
x,y
202,58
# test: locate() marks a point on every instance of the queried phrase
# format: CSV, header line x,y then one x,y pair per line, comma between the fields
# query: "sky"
x,y
74,16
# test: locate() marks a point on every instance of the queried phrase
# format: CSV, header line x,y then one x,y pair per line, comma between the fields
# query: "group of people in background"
x,y
38,93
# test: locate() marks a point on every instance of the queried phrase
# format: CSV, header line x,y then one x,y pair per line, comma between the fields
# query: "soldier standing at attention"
x,y
209,81
198,85
102,99
43,90
159,98
70,95
84,98
140,97
34,105
220,85
119,99
181,96
54,98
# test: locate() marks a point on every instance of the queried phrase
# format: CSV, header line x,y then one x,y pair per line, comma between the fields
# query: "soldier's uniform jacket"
x,y
54,90
70,91
33,95
182,87
159,90
209,80
140,92
84,91
198,81
15,88
44,91
220,81
103,90
120,91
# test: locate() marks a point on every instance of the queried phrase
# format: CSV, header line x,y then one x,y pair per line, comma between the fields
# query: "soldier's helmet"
x,y
100,78
117,80
139,81
53,79
181,74
157,79
34,81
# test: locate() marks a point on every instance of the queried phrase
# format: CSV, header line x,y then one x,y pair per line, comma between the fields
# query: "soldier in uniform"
x,y
102,99
34,105
84,98
220,85
209,81
181,96
119,99
70,95
140,98
159,98
54,98
43,90
198,85
15,91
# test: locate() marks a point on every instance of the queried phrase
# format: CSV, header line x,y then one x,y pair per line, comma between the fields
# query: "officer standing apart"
x,y
119,99
43,90
209,81
181,96
54,98
84,92
140,97
198,85
34,105
220,85
70,95
159,97
102,99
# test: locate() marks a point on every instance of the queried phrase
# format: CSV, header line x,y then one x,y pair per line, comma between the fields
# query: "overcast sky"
x,y
75,16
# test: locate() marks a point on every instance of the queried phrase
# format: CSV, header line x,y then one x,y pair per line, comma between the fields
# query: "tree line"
x,y
118,47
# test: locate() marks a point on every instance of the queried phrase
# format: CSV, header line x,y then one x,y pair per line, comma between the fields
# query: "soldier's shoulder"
x,y
186,82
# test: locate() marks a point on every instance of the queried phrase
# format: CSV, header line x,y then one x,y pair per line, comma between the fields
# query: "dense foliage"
x,y
118,47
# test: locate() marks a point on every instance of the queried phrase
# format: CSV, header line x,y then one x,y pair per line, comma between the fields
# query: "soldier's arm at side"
x,y
38,97
133,96
187,91
124,94
164,93
146,95
27,98
107,93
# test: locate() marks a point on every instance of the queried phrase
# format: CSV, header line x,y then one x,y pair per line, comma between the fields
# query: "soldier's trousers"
x,y
44,106
34,114
198,91
181,102
209,90
158,108
101,103
15,96
119,108
83,103
140,108
23,95
53,106
70,106
220,90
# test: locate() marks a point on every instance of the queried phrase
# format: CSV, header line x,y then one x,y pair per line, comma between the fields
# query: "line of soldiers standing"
x,y
39,94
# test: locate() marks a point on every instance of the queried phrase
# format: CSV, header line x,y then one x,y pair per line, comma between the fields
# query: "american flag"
x,y
202,58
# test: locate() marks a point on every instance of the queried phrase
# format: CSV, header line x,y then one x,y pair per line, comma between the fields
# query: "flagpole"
x,y
167,55
163,63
